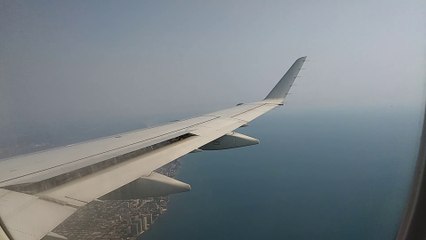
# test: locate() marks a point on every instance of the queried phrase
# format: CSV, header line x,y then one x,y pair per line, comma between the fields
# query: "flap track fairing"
x,y
153,185
230,140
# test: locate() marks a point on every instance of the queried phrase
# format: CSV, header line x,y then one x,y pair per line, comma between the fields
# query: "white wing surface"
x,y
38,191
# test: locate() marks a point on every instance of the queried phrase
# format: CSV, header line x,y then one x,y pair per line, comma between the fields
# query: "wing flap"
x,y
48,164
85,189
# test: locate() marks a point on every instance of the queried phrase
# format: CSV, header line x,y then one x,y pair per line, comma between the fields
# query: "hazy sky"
x,y
84,61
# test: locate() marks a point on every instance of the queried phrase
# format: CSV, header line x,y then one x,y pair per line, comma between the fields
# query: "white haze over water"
x,y
82,65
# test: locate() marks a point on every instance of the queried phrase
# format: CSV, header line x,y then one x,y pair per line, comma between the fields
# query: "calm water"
x,y
315,175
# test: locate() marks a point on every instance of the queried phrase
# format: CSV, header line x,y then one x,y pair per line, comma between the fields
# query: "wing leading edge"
x,y
53,189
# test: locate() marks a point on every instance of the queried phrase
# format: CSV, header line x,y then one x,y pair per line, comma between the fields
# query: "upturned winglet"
x,y
280,91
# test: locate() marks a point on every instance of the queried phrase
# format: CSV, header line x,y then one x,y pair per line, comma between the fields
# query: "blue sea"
x,y
330,174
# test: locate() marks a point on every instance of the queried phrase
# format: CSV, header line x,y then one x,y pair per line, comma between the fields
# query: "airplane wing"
x,y
39,191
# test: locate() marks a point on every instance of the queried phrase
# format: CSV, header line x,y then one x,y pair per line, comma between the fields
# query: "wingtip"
x,y
281,89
